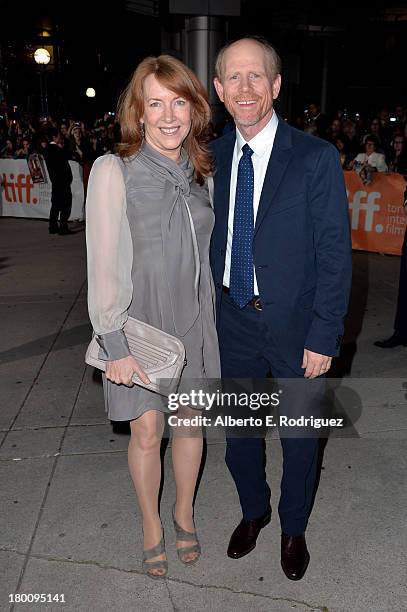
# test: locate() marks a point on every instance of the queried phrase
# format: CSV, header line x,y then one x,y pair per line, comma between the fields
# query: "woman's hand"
x,y
121,371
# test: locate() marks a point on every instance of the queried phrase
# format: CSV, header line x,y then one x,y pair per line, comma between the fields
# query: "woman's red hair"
x,y
175,76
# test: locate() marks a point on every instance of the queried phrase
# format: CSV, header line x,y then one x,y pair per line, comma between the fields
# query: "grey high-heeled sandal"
x,y
187,536
150,553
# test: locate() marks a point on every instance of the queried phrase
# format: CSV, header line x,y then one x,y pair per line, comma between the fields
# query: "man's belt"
x,y
254,302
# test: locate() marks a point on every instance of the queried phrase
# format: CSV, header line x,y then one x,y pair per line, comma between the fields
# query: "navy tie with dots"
x,y
241,267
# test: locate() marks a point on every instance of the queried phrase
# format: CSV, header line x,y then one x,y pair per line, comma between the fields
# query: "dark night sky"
x,y
100,48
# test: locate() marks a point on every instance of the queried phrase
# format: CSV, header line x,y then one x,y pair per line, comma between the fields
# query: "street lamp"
x,y
42,58
90,92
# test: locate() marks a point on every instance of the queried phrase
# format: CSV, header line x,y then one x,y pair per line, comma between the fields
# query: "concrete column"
x,y
204,36
197,31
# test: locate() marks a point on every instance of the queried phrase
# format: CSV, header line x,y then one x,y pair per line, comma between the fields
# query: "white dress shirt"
x,y
377,160
261,145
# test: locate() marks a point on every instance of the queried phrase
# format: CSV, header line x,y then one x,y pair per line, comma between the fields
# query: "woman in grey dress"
x,y
149,223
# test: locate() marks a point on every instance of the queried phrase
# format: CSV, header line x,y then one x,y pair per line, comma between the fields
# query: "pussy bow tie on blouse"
x,y
180,247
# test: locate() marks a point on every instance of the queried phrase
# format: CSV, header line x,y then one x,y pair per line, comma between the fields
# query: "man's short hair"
x,y
274,58
373,140
54,132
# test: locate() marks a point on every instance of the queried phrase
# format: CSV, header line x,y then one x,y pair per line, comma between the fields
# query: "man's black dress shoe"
x,y
244,537
391,342
65,231
53,230
294,556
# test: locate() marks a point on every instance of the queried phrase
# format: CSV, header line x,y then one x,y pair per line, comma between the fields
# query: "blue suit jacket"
x,y
301,247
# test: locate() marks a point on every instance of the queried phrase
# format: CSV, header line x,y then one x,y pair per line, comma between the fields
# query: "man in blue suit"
x,y
281,261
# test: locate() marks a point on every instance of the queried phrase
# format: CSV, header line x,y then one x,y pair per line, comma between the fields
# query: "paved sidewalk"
x,y
69,519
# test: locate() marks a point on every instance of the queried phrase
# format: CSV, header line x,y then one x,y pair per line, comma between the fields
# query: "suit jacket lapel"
x,y
280,156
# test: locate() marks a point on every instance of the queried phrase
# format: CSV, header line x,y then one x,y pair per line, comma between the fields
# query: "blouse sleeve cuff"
x,y
113,345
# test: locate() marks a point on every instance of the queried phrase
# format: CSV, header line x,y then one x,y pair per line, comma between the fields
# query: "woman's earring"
x,y
142,129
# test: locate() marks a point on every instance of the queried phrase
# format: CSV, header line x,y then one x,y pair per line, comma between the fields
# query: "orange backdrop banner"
x,y
378,218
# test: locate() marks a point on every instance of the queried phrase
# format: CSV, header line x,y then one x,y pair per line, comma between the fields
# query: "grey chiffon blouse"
x,y
148,230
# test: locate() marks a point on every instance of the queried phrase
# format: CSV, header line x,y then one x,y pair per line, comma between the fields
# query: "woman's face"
x,y
166,118
349,129
339,144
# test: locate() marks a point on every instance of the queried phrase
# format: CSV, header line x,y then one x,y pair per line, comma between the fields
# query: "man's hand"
x,y
315,364
121,371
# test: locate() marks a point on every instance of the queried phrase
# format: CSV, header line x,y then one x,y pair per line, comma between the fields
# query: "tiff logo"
x,y
19,190
370,206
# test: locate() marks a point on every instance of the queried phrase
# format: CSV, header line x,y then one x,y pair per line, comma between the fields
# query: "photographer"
x,y
60,175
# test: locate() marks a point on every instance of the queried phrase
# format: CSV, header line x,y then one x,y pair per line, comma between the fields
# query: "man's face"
x,y
246,86
370,147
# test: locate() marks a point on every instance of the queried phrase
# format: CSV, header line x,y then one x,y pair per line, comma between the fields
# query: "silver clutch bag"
x,y
161,355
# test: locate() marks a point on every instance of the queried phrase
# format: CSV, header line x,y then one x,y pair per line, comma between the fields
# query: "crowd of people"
x,y
22,135
366,145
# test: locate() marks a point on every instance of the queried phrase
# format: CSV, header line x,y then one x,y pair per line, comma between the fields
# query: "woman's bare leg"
x,y
145,469
187,446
